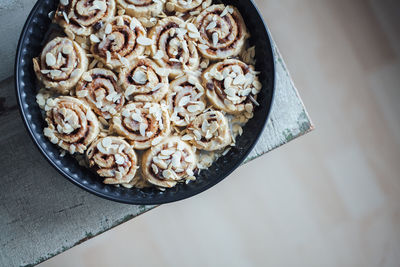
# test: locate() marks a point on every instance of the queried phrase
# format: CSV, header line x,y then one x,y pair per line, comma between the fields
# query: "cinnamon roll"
x,y
222,32
119,41
71,124
143,124
209,131
232,86
81,16
100,89
186,6
169,162
113,159
60,65
172,47
186,100
142,8
144,81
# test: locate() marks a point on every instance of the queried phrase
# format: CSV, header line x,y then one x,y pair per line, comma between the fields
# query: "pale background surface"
x,y
331,198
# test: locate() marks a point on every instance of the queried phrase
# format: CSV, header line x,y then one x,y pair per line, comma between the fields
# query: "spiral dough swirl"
x,y
169,162
71,124
144,81
232,86
142,8
186,6
172,47
100,89
143,124
60,65
186,99
113,159
222,32
117,43
80,16
209,131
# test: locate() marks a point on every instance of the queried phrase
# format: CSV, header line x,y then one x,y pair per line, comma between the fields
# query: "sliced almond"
x,y
211,25
94,38
144,41
108,29
50,59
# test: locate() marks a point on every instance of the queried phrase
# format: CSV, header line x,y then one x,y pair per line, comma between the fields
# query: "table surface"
x,y
41,213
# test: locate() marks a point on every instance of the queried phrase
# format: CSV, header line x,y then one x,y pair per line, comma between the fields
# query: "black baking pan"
x,y
30,45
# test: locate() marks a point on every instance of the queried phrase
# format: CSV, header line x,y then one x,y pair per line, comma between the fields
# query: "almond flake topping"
x,y
142,128
67,49
106,142
184,101
140,77
119,159
144,41
86,76
191,27
167,174
211,25
158,55
225,12
136,117
155,168
82,93
50,59
94,38
108,29
108,56
156,140
187,137
193,108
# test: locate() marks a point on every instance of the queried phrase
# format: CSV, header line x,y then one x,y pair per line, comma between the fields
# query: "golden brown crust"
x,y
99,87
172,47
144,81
169,162
186,100
113,159
60,65
142,124
80,16
119,42
188,6
209,131
141,8
231,85
186,9
71,124
222,32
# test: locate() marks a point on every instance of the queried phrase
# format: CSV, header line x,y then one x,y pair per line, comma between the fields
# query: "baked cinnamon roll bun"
x,y
142,124
99,87
186,100
71,124
120,41
169,162
222,32
144,81
113,159
232,86
187,8
60,65
79,17
190,5
172,47
142,8
209,131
